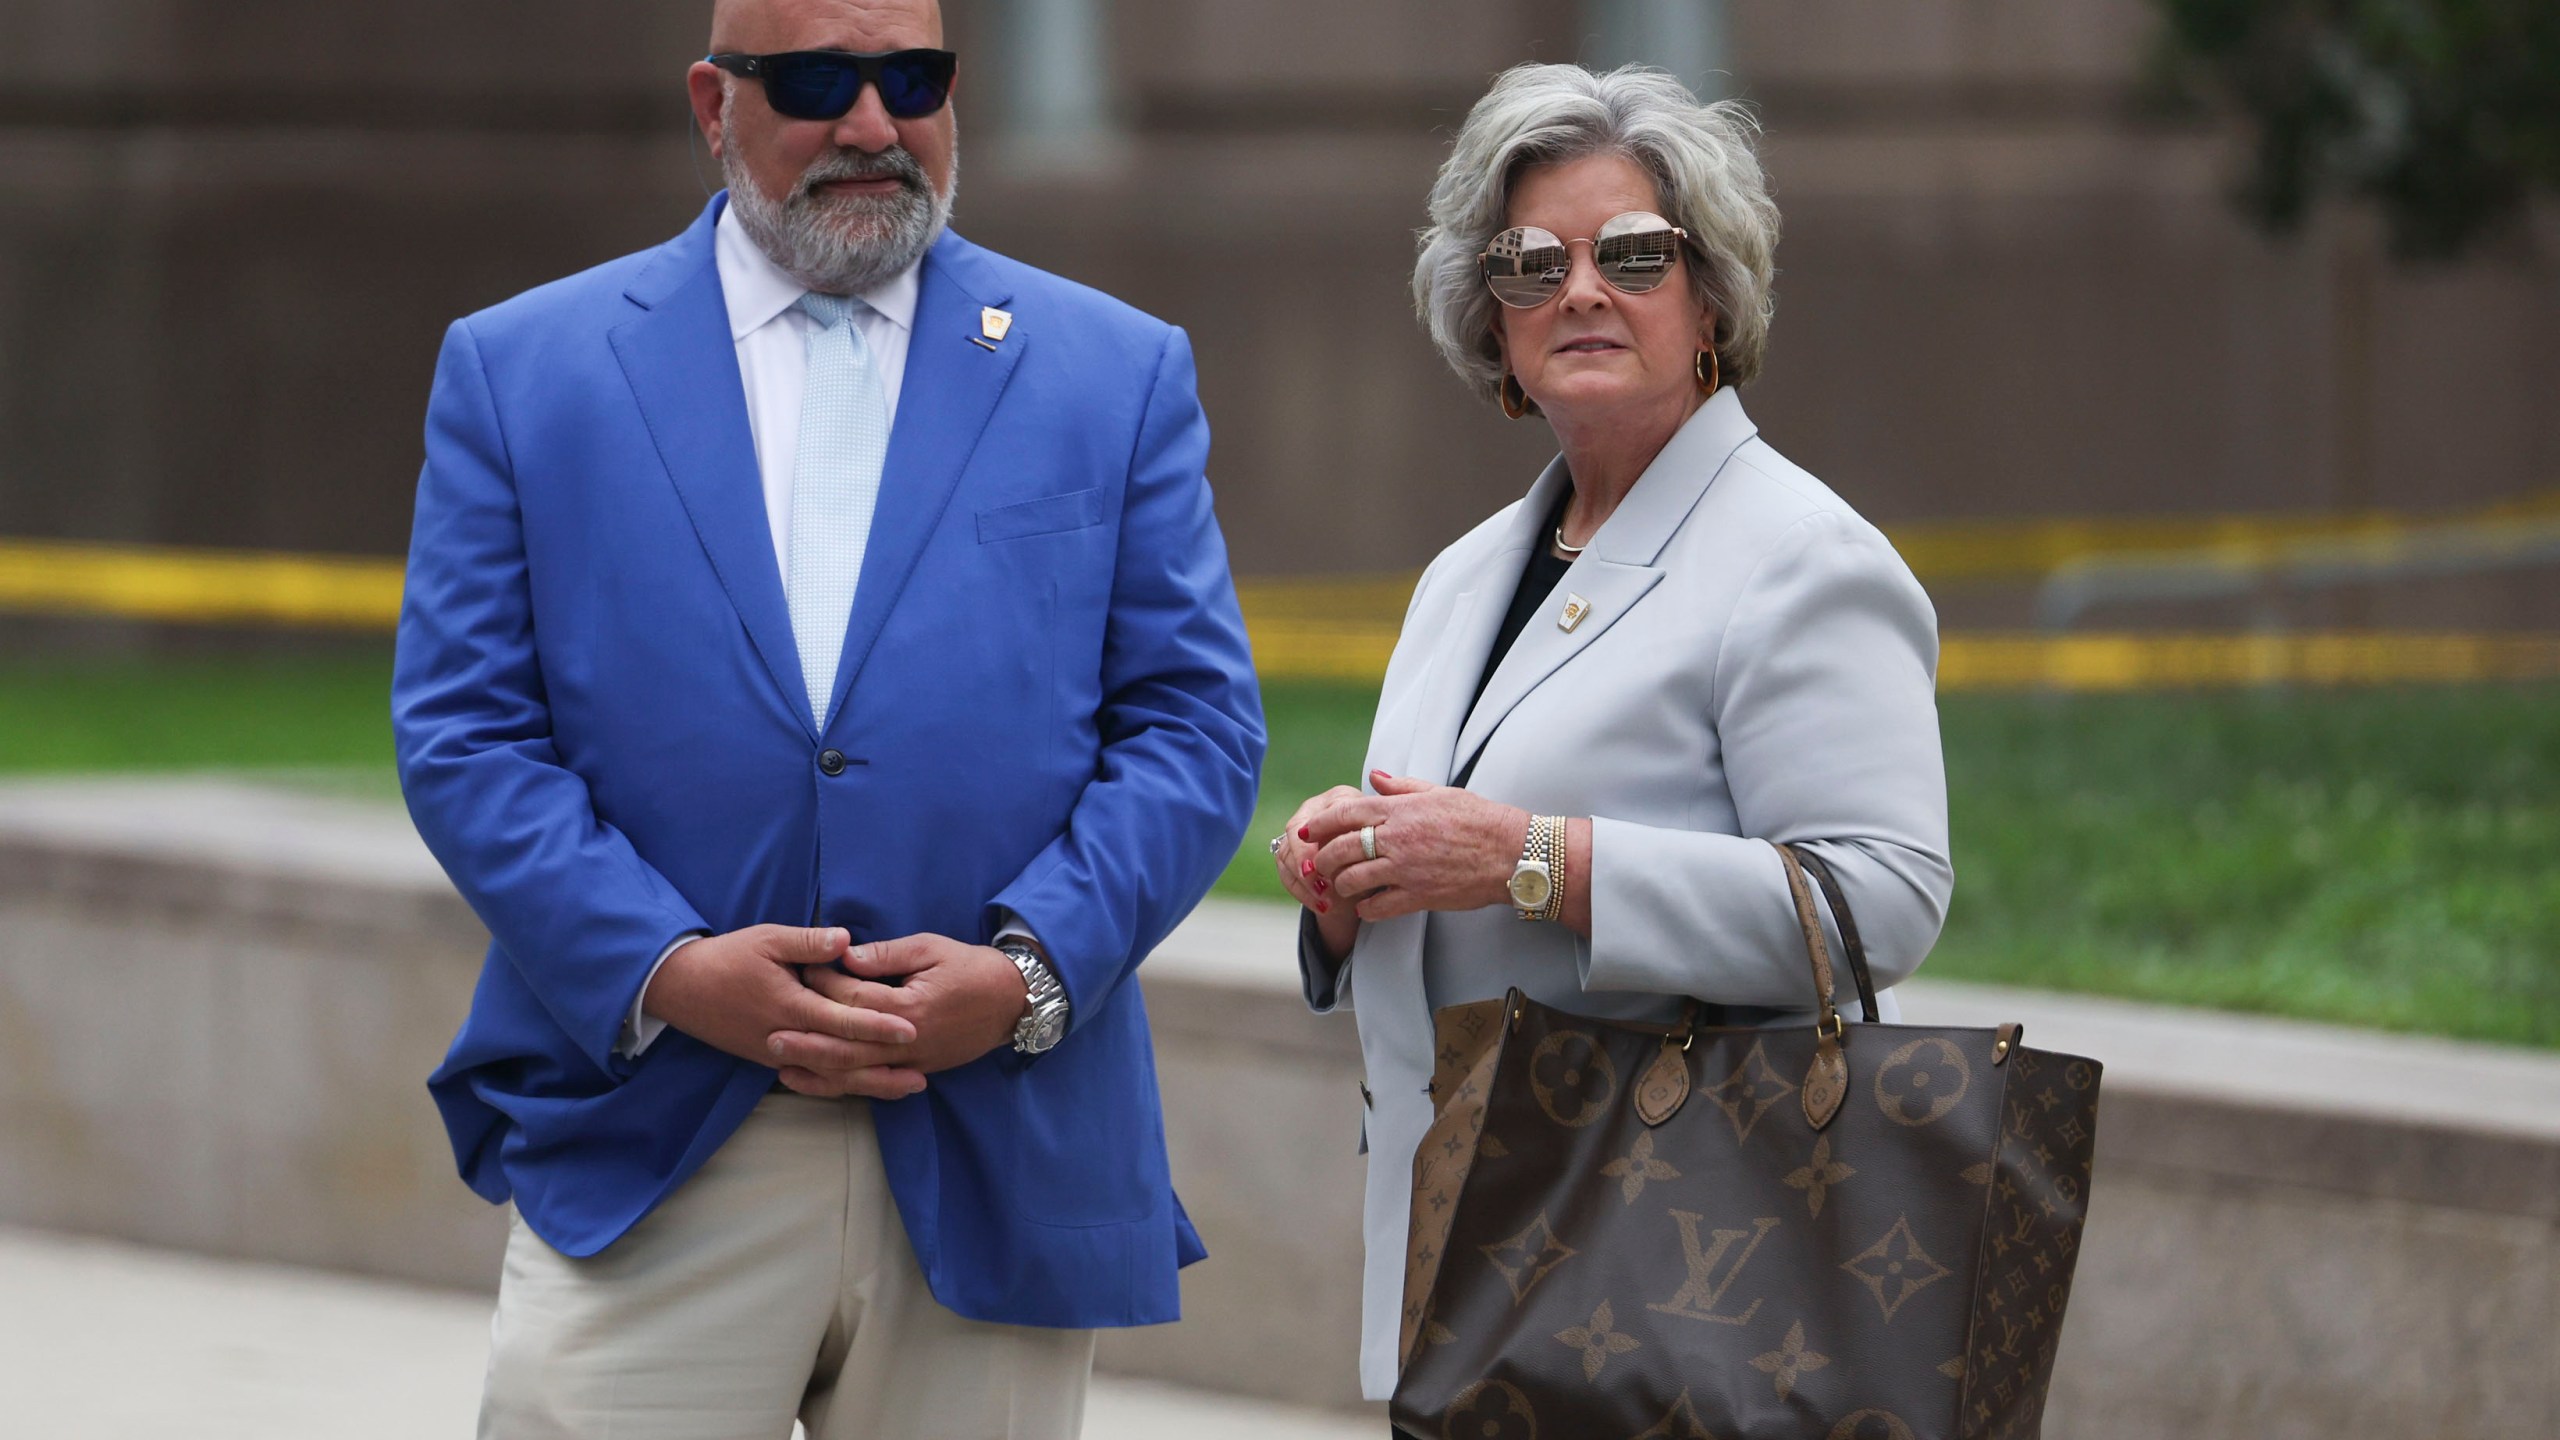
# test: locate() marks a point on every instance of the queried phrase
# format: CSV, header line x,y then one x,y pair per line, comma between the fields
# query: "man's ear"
x,y
706,88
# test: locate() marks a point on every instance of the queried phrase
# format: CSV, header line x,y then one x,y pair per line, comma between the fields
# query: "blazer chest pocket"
x,y
1047,515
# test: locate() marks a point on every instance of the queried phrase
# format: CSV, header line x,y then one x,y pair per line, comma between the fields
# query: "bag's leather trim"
x,y
1826,1083
1855,949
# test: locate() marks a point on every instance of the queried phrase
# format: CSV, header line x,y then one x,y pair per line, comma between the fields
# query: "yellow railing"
x,y
2104,662
199,587
1344,628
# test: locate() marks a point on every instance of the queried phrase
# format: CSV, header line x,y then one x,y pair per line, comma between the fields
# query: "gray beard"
x,y
842,245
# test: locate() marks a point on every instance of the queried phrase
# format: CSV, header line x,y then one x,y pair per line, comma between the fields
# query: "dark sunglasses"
x,y
1525,267
824,84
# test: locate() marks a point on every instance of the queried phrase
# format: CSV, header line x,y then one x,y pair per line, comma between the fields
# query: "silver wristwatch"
x,y
1044,1020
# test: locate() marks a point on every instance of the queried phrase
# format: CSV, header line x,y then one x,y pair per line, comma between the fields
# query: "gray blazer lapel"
x,y
1615,572
1474,619
1544,644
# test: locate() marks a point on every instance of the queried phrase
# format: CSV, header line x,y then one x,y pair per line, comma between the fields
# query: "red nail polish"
x,y
1306,867
1320,885
1306,832
1323,909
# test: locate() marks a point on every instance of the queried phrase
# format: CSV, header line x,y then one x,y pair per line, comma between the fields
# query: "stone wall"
x,y
217,1006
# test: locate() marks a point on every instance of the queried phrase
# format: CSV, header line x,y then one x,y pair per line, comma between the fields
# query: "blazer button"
x,y
831,761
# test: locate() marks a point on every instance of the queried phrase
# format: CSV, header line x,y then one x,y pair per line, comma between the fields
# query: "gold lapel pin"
x,y
995,324
1576,610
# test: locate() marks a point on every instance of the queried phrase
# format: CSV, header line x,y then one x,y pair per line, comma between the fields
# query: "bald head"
x,y
764,27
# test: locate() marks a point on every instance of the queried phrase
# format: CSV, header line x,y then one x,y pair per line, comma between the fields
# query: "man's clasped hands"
x,y
895,1012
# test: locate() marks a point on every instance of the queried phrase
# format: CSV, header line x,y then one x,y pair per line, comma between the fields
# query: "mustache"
x,y
894,163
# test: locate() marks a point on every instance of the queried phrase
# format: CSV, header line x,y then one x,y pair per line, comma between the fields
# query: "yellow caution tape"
x,y
1344,629
200,587
2101,662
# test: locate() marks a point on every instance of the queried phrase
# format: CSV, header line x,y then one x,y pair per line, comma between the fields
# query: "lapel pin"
x,y
1576,610
995,324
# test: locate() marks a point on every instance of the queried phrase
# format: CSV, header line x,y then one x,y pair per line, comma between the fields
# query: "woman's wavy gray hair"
x,y
1704,168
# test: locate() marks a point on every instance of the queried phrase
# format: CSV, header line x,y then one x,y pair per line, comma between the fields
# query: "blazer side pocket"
x,y
1047,515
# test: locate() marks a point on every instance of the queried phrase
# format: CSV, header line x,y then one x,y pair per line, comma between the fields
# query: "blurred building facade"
x,y
231,235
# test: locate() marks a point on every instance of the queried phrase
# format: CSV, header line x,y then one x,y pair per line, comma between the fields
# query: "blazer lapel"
x,y
950,391
683,370
1617,570
1474,620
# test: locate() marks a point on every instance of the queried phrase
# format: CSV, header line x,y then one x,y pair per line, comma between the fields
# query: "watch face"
x,y
1045,1032
1530,886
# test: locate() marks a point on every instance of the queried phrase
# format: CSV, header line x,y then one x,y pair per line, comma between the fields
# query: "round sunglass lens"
x,y
1525,265
1635,251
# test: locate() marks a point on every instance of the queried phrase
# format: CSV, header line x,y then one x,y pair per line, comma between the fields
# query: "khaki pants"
x,y
775,1284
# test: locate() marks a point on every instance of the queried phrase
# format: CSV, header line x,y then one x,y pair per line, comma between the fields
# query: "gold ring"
x,y
1368,842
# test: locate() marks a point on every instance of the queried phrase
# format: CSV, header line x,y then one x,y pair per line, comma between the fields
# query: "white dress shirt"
x,y
772,335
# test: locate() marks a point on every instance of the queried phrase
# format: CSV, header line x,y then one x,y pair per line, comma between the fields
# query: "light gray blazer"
x,y
1758,665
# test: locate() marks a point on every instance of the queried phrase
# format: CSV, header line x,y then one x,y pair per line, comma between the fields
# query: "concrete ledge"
x,y
218,1001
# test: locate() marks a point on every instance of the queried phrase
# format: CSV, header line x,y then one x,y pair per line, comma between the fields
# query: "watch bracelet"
x,y
1028,960
1551,845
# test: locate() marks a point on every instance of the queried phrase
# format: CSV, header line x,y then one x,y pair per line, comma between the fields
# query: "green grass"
x,y
324,719
2379,858
2382,858
2385,858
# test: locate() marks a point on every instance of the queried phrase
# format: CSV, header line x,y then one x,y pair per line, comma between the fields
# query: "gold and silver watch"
x,y
1537,882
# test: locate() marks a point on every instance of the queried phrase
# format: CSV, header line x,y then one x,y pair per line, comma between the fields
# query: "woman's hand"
x,y
1439,847
1296,859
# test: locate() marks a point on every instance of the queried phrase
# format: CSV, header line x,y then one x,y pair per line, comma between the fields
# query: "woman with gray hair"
x,y
1612,695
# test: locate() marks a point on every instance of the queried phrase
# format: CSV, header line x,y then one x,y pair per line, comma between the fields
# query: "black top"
x,y
1538,583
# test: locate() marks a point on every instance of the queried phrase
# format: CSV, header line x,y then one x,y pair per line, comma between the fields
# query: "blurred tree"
x,y
2446,113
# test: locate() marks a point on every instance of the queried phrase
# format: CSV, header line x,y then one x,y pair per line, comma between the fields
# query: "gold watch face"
x,y
1530,885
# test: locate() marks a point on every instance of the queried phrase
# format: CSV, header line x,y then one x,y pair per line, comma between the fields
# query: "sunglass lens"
x,y
811,87
915,82
1525,265
1635,251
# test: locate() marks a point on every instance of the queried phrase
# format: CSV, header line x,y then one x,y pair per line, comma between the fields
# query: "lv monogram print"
x,y
2039,1187
1699,1298
1730,1272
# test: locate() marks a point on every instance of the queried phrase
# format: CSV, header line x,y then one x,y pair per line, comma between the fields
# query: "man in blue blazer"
x,y
820,671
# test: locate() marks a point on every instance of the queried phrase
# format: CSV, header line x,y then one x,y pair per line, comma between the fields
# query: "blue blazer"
x,y
1045,701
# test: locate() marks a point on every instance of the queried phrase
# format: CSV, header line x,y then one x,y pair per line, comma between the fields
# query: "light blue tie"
x,y
835,485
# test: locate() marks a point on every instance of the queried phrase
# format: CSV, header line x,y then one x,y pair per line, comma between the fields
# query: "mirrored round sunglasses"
x,y
1525,266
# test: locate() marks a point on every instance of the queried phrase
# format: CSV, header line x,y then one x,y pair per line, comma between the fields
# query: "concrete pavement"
x,y
101,1340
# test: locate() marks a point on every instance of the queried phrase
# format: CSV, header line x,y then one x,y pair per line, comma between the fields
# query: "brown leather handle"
x,y
1826,1083
1851,948
1816,949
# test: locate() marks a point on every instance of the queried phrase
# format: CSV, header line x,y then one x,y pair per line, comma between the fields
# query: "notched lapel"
x,y
1617,570
949,394
1544,646
683,371
1451,677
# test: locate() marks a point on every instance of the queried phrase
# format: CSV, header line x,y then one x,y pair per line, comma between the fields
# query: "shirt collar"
x,y
758,291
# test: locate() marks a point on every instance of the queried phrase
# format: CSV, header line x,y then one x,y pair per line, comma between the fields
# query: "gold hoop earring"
x,y
1515,401
1710,369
